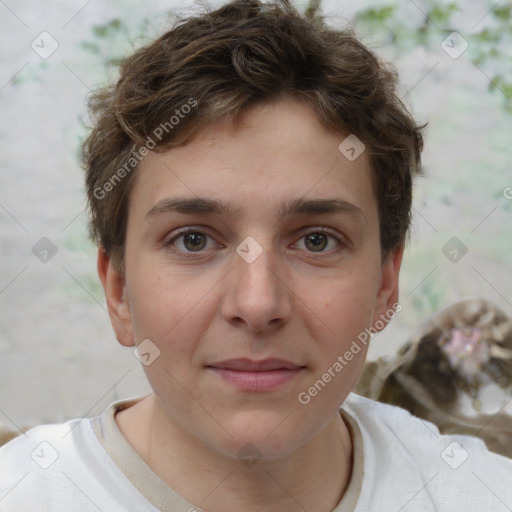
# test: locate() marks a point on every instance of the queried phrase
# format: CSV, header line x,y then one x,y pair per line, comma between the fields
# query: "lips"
x,y
248,375
248,365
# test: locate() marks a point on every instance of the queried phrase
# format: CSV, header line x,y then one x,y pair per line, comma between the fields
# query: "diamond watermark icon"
x,y
44,455
44,250
249,249
146,352
454,45
454,455
351,147
44,45
454,249
249,455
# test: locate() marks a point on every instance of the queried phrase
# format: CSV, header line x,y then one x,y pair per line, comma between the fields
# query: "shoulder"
x,y
29,463
389,425
35,446
409,456
62,464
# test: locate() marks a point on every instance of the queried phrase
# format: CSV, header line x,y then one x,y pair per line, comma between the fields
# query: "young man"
x,y
249,180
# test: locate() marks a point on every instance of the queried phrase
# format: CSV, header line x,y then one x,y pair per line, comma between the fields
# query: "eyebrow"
x,y
297,206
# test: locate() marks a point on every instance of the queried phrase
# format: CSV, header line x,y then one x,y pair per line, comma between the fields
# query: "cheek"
x,y
342,312
172,310
342,308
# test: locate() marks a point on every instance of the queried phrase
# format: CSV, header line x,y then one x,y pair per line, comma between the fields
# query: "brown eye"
x,y
190,241
320,242
194,241
316,241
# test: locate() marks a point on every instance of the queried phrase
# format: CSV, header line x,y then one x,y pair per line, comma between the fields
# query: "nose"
x,y
257,297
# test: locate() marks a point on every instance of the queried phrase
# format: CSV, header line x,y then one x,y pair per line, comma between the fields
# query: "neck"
x,y
314,477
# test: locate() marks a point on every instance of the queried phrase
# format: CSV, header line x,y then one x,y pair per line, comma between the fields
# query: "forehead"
x,y
280,153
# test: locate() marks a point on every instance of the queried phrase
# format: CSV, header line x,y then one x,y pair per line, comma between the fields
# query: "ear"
x,y
115,293
387,296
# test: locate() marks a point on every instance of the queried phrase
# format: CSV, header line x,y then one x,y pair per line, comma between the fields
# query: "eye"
x,y
193,240
317,241
189,241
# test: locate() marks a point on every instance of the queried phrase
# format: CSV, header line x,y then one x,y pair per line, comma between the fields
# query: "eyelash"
x,y
195,254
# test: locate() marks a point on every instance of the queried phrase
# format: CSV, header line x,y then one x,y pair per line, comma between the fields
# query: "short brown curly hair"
x,y
219,63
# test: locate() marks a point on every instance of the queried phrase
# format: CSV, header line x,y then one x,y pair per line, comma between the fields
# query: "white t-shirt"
x,y
401,463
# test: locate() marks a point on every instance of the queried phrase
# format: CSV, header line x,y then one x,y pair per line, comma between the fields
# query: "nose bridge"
x,y
257,293
255,271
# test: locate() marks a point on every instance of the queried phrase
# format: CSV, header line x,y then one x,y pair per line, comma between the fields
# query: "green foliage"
x,y
111,42
503,12
430,297
499,82
490,43
441,14
105,29
375,15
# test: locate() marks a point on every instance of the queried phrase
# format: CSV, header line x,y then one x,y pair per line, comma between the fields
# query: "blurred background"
x,y
58,355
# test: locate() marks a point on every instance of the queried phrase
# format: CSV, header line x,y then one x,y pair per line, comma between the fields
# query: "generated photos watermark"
x,y
351,147
304,397
138,155
146,352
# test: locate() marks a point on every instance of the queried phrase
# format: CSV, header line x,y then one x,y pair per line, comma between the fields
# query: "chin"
x,y
262,434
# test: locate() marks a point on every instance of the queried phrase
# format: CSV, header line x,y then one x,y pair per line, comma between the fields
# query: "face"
x,y
252,295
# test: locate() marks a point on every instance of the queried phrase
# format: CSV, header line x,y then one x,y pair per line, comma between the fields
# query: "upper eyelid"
x,y
187,230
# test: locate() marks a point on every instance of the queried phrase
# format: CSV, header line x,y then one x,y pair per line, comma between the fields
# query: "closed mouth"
x,y
248,365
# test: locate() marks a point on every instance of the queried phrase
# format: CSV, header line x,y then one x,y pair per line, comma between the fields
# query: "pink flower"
x,y
466,352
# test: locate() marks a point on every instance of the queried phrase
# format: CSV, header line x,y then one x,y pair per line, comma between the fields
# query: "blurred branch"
x,y
490,47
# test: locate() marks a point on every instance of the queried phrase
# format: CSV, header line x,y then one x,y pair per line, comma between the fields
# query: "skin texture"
x,y
297,301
